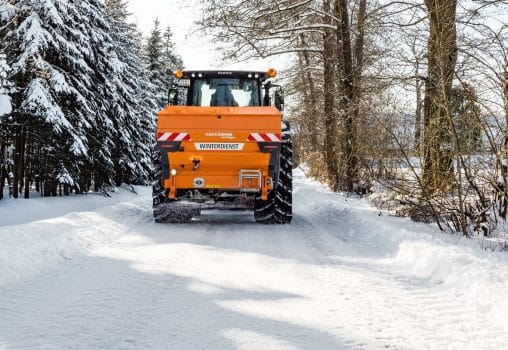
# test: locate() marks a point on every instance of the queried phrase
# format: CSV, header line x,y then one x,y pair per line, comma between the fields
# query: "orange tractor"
x,y
222,144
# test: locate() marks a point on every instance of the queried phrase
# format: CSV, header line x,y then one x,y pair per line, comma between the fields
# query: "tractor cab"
x,y
226,89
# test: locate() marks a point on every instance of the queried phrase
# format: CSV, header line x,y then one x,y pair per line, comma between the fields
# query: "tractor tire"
x,y
164,210
278,209
158,192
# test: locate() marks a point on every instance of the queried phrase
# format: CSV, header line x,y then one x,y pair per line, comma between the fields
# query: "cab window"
x,y
222,92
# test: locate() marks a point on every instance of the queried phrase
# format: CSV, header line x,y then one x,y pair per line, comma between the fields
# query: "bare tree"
x,y
442,57
332,34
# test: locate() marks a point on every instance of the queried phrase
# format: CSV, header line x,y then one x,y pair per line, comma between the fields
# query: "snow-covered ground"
x,y
97,273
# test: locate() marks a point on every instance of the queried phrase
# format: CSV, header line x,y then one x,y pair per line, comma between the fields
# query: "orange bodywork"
x,y
218,153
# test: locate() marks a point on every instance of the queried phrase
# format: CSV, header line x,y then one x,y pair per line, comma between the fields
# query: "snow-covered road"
x,y
338,277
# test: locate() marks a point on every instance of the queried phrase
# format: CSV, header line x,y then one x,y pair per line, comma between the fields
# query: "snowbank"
x,y
22,211
422,249
412,252
38,233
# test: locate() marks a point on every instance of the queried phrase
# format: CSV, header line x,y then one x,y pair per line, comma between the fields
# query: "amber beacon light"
x,y
179,74
272,73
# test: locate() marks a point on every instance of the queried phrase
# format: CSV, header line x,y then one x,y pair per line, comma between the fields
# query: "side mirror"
x,y
279,100
173,97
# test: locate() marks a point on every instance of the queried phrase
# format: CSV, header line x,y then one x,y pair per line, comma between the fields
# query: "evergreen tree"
x,y
48,68
170,58
103,61
155,64
6,89
82,96
134,112
154,50
161,60
117,12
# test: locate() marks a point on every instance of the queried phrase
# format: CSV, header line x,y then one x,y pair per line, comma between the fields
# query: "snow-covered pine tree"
x,y
147,114
102,57
154,49
154,56
133,109
81,91
117,11
6,89
44,45
170,58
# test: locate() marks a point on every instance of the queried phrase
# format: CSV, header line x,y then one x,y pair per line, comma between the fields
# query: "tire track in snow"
x,y
418,304
358,292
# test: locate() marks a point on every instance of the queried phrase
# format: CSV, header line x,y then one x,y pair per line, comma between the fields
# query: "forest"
x,y
404,101
79,91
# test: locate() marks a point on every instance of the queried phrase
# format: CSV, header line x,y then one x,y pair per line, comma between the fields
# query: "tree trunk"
x,y
350,64
46,188
28,167
306,125
2,169
331,148
22,170
442,56
354,157
308,80
16,165
505,95
503,210
505,90
418,112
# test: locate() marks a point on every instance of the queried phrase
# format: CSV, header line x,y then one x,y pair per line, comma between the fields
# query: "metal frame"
x,y
249,174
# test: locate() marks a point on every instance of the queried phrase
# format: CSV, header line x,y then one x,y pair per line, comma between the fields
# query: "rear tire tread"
x,y
278,208
164,210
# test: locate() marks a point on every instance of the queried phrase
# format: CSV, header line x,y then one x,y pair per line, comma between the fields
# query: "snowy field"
x,y
98,273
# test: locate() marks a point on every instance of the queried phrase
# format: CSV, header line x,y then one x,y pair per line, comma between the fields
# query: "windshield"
x,y
225,92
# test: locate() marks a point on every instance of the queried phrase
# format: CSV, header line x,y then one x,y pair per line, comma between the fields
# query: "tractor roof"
x,y
189,74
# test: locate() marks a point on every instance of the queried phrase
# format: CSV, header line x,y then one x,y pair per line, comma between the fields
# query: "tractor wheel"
x,y
158,192
278,208
164,210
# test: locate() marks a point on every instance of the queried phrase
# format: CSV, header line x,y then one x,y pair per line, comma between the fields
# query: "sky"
x,y
196,50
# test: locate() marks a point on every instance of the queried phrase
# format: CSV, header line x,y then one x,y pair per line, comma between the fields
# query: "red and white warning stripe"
x,y
173,136
264,137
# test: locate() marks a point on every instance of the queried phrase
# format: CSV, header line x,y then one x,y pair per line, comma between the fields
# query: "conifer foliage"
x,y
5,109
170,56
161,60
77,105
